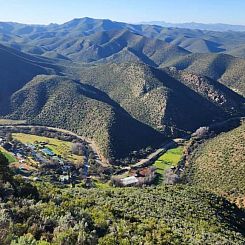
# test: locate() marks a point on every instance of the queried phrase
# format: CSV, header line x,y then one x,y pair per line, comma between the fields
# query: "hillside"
x,y
112,74
218,165
200,41
164,100
224,68
39,39
123,215
90,40
16,69
127,94
64,103
124,107
105,44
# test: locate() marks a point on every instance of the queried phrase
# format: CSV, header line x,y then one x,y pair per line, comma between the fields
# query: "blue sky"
x,y
60,11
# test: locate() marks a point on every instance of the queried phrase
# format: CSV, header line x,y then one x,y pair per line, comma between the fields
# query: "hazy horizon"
x,y
131,11
139,22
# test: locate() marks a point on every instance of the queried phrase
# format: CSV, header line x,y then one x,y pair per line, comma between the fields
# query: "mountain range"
x,y
126,86
200,26
40,39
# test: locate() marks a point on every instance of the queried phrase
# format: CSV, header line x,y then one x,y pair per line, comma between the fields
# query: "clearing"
x,y
58,147
168,159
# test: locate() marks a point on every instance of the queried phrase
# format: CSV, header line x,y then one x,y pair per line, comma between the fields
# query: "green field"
x,y
59,147
8,155
168,159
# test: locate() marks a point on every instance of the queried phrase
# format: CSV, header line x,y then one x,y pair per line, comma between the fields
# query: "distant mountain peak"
x,y
200,26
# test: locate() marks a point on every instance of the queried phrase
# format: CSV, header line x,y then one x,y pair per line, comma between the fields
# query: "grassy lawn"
x,y
59,147
168,159
8,155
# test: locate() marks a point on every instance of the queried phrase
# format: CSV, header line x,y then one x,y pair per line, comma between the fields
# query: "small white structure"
x,y
64,178
129,181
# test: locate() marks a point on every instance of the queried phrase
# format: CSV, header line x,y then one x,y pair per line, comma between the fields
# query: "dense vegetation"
x,y
166,215
60,102
218,165
42,214
95,35
121,106
163,99
224,68
129,88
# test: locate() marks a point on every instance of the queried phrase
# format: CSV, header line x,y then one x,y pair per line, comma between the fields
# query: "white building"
x,y
129,181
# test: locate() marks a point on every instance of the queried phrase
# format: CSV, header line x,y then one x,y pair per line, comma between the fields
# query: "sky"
x,y
132,11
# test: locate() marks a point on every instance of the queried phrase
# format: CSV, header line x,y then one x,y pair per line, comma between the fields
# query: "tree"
x,y
28,239
201,132
5,172
78,149
9,137
170,177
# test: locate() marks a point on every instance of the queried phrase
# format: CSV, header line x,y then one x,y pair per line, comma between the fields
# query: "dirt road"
x,y
103,161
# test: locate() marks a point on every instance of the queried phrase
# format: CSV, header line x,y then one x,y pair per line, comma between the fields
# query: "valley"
x,y
118,133
39,154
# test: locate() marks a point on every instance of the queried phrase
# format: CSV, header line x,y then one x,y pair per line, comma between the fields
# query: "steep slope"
x,y
196,45
219,165
225,68
16,69
197,40
87,40
238,52
61,102
168,101
142,215
141,101
101,45
40,37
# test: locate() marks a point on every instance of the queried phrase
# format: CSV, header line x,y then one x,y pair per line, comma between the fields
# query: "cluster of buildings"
x,y
28,155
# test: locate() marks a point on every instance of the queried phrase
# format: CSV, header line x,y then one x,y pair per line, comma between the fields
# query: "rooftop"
x,y
129,180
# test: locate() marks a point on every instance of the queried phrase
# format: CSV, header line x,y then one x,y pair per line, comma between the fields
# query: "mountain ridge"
x,y
152,85
199,40
201,26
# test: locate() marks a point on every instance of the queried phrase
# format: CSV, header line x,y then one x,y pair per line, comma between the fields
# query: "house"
x,y
65,179
146,172
132,180
36,179
143,172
